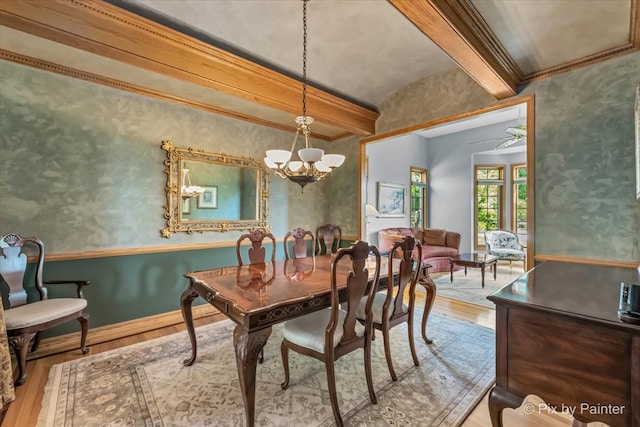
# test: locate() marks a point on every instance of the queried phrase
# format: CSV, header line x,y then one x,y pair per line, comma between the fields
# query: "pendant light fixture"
x,y
313,164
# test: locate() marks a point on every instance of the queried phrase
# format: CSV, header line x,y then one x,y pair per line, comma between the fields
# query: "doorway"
x,y
448,150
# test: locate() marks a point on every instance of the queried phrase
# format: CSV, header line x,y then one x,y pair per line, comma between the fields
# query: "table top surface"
x,y
477,258
260,287
579,290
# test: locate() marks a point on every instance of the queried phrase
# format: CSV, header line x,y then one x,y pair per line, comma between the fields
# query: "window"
x,y
519,192
488,212
418,197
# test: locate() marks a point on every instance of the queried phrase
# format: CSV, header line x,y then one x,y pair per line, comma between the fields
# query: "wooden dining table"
x,y
258,296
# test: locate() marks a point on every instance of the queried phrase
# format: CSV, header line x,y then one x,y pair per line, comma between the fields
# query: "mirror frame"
x,y
175,157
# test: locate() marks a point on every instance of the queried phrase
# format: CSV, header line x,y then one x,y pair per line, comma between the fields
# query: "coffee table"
x,y
480,261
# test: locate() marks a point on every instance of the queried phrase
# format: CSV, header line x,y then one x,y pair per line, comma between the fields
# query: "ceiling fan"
x,y
514,134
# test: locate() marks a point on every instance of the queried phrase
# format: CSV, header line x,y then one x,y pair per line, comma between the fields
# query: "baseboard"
x,y
606,263
59,344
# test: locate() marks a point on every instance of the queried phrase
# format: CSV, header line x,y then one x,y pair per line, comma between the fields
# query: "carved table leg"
x,y
430,297
185,305
248,347
482,267
498,400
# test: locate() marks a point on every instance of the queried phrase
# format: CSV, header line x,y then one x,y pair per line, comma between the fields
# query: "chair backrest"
x,y
356,260
328,236
256,252
409,251
299,244
13,266
504,239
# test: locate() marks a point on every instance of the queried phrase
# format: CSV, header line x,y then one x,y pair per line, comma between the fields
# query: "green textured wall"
x,y
585,202
585,169
81,168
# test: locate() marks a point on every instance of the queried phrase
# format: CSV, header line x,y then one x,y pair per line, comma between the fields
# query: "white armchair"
x,y
506,246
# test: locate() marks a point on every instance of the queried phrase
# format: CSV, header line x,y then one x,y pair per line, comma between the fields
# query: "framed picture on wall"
x,y
209,198
391,199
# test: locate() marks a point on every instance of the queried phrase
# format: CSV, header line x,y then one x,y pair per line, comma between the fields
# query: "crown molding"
x,y
19,58
580,62
104,29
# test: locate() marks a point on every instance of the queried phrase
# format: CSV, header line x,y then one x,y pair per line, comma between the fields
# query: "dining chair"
x,y
299,243
389,308
331,333
256,253
26,320
328,237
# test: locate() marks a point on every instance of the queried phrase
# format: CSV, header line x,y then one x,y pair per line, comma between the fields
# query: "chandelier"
x,y
314,165
187,190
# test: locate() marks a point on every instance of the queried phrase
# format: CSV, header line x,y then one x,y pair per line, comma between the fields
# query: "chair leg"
x,y
84,325
36,342
21,347
261,357
333,394
284,350
367,372
412,344
387,354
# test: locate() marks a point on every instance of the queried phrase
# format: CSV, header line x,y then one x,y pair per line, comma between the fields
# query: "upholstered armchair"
x,y
27,319
506,246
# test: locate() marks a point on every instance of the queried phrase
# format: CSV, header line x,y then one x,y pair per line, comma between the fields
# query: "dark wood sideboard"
x,y
558,336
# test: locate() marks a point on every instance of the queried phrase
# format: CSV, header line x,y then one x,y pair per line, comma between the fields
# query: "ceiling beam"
x,y
457,28
104,29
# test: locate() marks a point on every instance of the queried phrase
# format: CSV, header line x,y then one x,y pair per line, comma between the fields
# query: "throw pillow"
x,y
434,236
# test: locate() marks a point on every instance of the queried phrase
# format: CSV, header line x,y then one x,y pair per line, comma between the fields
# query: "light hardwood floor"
x,y
23,412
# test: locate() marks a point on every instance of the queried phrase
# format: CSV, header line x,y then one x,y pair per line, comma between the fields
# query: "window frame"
x,y
515,181
500,217
424,190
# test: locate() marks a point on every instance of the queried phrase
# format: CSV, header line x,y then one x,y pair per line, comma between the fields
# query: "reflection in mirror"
x,y
232,192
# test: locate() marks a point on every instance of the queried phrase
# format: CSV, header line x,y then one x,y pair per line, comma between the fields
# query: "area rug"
x,y
146,384
469,288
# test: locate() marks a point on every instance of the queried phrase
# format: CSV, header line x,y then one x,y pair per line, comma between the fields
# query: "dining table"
x,y
258,296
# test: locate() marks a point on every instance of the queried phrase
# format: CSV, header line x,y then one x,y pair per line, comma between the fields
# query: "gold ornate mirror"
x,y
213,192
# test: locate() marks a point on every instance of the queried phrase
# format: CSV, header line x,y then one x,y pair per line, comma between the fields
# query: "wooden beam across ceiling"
x,y
459,31
104,29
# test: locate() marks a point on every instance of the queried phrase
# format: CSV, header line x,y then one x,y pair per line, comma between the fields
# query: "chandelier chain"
x,y
314,165
304,58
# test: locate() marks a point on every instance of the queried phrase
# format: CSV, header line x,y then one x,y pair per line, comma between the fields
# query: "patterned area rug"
x,y
146,384
469,288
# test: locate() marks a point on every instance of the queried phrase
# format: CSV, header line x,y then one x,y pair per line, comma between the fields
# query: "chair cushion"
x,y
378,301
42,311
504,253
308,331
